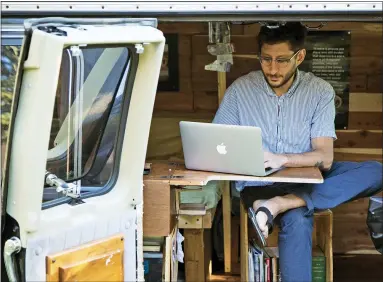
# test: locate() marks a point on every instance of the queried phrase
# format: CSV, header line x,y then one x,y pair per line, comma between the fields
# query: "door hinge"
x,y
68,189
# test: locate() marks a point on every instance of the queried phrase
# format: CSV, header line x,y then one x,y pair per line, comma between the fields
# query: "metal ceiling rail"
x,y
189,7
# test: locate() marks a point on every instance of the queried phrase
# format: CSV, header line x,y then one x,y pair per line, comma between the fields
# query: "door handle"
x,y
12,246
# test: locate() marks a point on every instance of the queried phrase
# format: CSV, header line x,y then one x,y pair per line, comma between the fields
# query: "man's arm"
x,y
322,139
322,155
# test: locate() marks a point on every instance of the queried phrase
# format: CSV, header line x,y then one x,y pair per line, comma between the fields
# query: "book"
x,y
318,265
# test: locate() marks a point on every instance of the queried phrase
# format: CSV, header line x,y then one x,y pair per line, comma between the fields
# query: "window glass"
x,y
86,117
9,61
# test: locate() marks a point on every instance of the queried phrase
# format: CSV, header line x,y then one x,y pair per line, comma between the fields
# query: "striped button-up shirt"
x,y
288,122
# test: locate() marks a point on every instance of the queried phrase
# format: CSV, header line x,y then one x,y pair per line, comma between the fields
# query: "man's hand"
x,y
274,160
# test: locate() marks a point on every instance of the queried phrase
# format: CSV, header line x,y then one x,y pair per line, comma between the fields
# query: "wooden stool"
x,y
322,237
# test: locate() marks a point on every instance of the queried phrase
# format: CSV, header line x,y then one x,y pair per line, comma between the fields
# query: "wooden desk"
x,y
182,176
161,187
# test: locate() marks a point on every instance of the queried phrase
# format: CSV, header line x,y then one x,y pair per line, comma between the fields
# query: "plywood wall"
x,y
197,99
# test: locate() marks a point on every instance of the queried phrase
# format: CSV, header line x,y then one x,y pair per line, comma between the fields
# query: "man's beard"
x,y
285,80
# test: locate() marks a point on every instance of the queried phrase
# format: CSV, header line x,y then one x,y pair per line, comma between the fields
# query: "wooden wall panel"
x,y
351,234
365,120
358,139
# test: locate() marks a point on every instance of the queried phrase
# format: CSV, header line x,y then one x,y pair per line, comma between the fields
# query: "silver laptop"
x,y
223,148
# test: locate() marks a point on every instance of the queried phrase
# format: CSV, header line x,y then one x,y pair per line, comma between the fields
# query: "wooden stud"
x,y
244,241
197,254
226,205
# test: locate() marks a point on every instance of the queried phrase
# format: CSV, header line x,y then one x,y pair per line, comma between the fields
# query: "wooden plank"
x,y
108,267
196,267
164,137
66,262
160,170
244,243
359,139
365,120
374,83
179,101
184,45
361,45
357,154
235,238
221,85
350,219
159,208
226,208
205,80
205,101
365,102
366,151
365,65
324,233
251,29
226,199
354,27
358,83
182,176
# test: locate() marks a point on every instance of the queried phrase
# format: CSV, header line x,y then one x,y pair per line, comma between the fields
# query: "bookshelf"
x,y
322,245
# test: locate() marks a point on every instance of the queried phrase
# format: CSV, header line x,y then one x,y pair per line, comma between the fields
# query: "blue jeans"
x,y
346,181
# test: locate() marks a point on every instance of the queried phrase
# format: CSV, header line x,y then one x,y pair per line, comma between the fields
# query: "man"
x,y
295,111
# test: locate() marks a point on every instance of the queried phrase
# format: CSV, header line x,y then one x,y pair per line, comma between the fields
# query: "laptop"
x,y
223,148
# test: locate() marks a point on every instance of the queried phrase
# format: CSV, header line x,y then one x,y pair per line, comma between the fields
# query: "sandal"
x,y
269,223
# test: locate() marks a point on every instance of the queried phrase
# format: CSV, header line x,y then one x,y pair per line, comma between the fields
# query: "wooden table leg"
x,y
226,208
244,241
197,255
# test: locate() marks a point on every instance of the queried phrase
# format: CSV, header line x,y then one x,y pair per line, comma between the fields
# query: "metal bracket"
x,y
76,51
139,48
68,189
219,35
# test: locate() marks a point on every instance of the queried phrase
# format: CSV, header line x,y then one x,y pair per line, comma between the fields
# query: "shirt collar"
x,y
291,90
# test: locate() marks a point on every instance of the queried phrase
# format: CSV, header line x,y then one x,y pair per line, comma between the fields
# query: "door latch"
x,y
12,246
68,189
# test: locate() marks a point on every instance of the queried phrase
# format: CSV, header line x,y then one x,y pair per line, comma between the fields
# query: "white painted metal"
x,y
172,7
30,147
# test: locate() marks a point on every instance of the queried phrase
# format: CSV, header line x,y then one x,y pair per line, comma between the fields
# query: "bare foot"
x,y
261,217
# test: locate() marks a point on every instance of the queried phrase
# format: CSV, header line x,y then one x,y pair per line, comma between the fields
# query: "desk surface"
x,y
178,175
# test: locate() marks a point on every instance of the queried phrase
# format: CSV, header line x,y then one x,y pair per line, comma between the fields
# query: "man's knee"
x,y
374,171
296,220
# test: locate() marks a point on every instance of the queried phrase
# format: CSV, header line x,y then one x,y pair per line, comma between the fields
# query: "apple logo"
x,y
221,149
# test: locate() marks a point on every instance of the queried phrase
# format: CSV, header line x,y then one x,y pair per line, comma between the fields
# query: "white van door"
x,y
73,178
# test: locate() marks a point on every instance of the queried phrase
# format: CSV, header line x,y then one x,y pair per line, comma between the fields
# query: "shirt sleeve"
x,y
323,122
228,109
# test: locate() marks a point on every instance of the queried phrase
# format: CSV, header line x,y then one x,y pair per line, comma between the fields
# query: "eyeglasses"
x,y
281,63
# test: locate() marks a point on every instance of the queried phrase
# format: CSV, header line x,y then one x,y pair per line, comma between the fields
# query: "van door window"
x,y
86,117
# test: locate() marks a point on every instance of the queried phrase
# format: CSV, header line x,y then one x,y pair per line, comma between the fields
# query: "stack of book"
x,y
153,259
264,264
